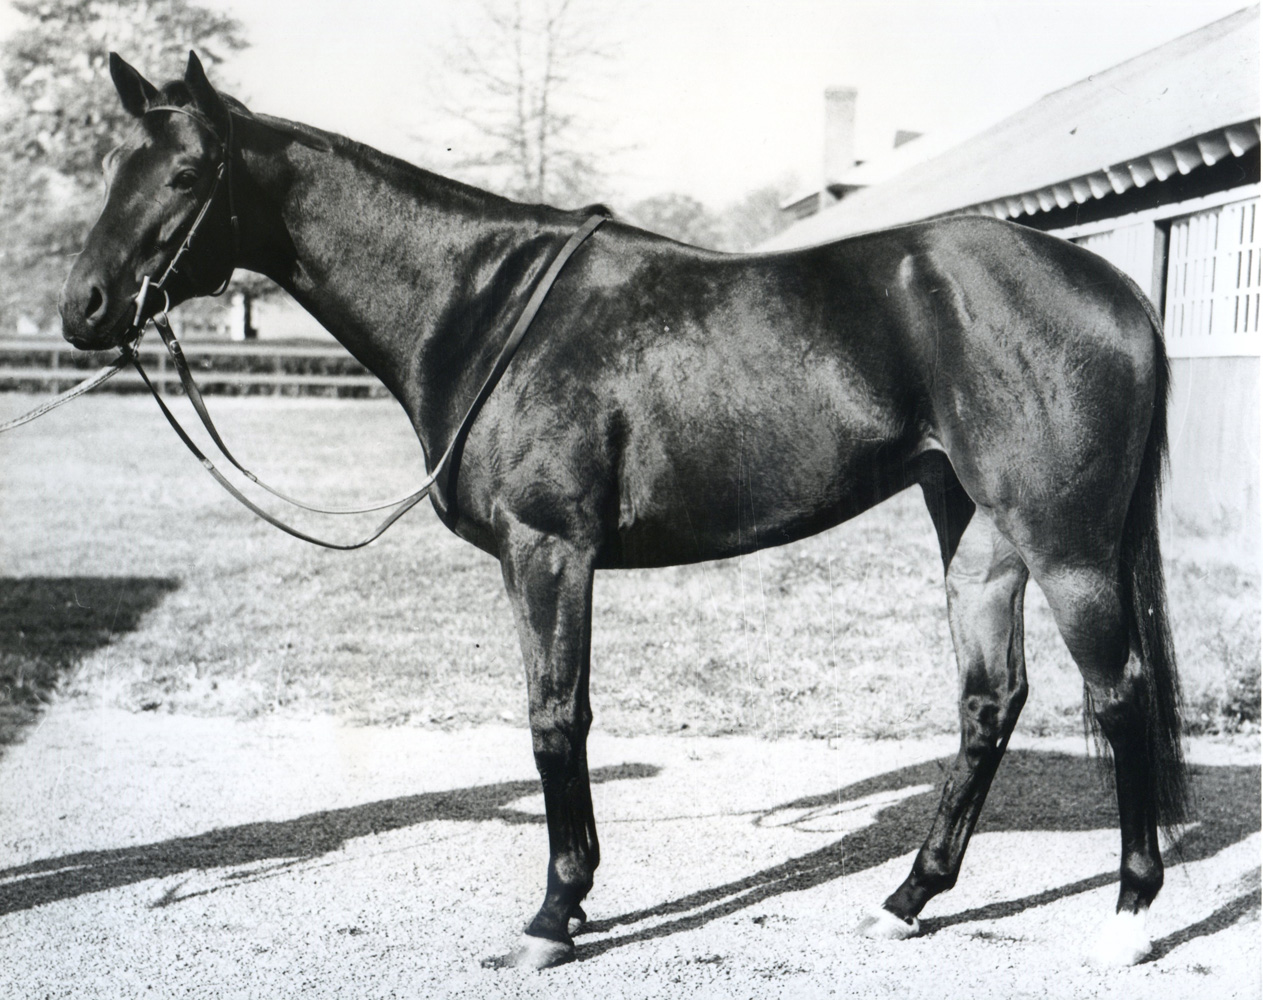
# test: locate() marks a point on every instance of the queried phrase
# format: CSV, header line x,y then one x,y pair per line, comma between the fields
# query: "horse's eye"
x,y
184,180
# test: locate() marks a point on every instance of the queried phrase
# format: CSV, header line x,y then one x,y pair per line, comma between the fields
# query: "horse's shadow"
x,y
287,842
49,624
1036,791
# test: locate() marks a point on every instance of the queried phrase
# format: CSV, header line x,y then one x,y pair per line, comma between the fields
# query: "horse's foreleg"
x,y
986,581
550,586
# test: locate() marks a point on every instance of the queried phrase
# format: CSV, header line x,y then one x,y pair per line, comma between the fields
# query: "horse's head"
x,y
170,177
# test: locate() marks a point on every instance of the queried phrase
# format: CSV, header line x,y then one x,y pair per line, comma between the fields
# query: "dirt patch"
x,y
206,857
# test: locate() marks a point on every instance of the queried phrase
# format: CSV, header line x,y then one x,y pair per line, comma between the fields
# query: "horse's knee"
x,y
554,746
559,726
986,721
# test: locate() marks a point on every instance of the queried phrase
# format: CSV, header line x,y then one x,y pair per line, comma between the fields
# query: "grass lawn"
x,y
127,576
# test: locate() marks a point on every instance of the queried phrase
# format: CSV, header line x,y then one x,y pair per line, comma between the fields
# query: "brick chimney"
x,y
839,132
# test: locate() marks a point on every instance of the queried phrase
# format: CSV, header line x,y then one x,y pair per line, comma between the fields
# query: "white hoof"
x,y
577,919
533,953
885,926
1120,941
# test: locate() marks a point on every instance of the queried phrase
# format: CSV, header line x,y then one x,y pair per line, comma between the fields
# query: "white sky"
x,y
705,97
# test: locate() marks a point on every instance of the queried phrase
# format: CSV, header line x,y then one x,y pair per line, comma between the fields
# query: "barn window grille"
x,y
1213,282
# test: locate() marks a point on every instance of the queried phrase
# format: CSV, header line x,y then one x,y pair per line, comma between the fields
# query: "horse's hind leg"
x,y
986,581
1089,612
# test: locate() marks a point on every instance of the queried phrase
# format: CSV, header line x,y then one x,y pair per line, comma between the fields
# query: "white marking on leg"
x,y
1120,941
883,925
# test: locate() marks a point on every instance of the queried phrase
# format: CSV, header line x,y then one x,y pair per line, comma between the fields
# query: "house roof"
x,y
1193,100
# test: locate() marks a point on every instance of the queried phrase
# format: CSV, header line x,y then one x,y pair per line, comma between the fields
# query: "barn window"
x,y
1213,279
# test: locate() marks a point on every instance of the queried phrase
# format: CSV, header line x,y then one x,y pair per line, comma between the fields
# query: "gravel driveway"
x,y
169,856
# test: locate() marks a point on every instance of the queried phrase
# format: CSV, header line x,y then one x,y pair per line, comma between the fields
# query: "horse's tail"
x,y
1142,589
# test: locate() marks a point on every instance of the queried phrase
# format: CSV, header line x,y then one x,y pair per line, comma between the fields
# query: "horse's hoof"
x,y
885,926
577,919
533,953
1120,941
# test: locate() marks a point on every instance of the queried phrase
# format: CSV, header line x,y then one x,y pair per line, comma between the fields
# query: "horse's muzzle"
x,y
90,318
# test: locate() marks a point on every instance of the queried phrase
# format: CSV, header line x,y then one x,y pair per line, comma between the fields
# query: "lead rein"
x,y
403,504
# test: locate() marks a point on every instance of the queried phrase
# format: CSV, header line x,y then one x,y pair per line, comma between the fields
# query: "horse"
x,y
673,405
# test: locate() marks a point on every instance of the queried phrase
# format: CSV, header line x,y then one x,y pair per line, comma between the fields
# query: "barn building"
x,y
1154,164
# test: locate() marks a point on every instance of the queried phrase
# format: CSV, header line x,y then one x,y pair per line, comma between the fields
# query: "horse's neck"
x,y
386,256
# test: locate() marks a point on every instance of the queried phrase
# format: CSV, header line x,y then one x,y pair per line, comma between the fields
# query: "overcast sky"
x,y
706,97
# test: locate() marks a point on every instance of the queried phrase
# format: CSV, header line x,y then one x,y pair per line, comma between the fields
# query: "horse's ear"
x,y
205,97
134,90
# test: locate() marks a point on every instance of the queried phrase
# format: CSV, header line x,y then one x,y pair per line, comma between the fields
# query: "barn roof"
x,y
1191,101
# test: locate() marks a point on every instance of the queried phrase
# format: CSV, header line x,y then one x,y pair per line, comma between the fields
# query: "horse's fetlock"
x,y
933,872
1140,880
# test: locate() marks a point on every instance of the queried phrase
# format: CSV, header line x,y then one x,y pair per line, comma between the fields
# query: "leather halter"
x,y
223,174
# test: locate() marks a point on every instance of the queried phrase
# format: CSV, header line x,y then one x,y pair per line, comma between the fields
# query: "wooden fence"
x,y
48,364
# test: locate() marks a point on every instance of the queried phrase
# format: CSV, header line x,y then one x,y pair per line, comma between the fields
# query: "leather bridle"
x,y
137,319
141,318
223,175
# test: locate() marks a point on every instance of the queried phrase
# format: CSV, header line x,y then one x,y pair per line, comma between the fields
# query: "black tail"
x,y
1143,593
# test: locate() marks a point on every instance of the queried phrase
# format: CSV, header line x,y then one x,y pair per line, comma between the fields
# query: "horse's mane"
x,y
178,93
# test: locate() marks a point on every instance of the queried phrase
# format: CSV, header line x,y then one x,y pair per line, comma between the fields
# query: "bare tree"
x,y
525,78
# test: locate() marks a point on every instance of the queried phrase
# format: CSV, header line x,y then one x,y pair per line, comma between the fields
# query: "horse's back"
x,y
753,406
725,403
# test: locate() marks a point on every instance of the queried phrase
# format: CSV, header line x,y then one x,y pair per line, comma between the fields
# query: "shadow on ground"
x,y
288,842
1035,791
49,624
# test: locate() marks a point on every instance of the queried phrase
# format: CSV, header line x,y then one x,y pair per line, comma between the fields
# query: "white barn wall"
x,y
1213,430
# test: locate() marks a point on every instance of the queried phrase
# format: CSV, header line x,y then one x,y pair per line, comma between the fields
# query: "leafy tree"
x,y
756,217
680,216
59,116
742,225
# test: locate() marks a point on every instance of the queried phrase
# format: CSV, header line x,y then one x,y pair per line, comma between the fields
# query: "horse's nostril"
x,y
95,307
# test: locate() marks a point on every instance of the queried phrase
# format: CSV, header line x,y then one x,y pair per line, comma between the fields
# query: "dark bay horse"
x,y
672,405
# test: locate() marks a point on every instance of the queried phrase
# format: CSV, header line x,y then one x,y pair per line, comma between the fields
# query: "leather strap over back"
x,y
403,504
